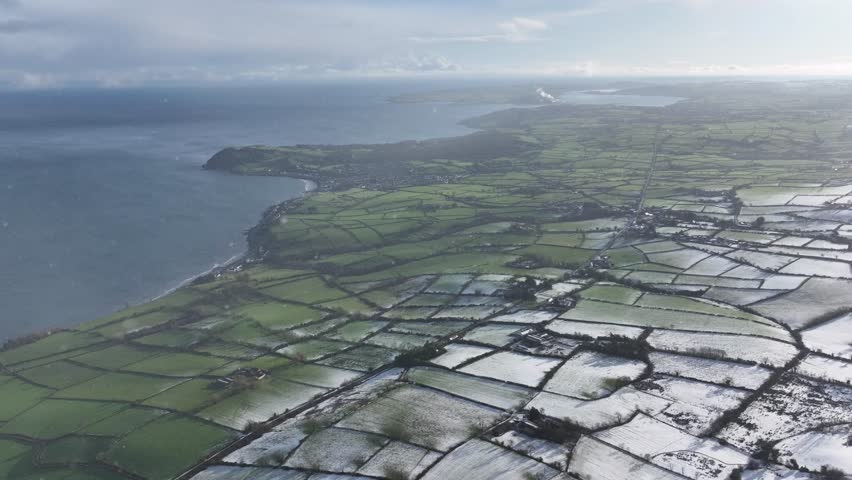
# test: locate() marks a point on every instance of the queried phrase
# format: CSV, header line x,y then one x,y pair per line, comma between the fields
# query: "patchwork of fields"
x,y
594,293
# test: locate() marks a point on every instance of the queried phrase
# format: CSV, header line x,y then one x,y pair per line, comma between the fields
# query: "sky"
x,y
109,43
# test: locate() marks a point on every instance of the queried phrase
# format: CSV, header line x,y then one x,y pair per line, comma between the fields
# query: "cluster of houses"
x,y
537,342
241,375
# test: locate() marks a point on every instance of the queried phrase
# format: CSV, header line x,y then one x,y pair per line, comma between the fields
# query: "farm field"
x,y
569,293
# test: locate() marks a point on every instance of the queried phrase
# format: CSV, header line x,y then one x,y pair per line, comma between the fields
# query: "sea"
x,y
103,201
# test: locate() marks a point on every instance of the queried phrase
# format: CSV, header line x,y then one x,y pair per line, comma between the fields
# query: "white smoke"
x,y
546,96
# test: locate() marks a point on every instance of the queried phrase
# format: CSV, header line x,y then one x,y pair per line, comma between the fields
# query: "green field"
x,y
408,247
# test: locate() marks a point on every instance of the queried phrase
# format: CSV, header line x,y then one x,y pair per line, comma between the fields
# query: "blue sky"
x,y
45,43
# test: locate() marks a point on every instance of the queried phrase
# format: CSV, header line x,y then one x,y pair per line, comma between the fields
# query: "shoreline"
x,y
236,260
232,264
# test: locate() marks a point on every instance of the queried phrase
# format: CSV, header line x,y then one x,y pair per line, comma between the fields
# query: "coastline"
x,y
69,272
232,265
312,182
236,262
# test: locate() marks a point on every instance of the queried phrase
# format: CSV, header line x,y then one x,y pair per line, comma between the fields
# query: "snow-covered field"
x,y
825,368
634,316
495,334
699,326
513,367
714,371
422,416
793,406
490,392
526,316
335,450
816,298
592,375
695,406
405,458
595,460
594,414
673,449
551,453
594,330
734,347
832,338
814,449
479,460
458,353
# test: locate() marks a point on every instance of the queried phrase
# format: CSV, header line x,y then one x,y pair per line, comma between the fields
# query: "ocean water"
x,y
103,201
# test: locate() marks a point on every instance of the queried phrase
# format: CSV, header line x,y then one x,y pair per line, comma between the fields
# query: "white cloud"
x,y
127,42
591,68
521,29
34,80
55,42
578,12
518,29
408,64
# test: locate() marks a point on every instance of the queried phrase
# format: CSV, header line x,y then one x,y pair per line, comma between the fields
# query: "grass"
x,y
116,356
356,331
312,349
139,323
73,449
123,422
490,392
50,345
258,402
438,329
399,341
171,338
55,418
278,316
266,362
614,383
166,446
396,426
24,468
10,449
177,364
612,293
250,332
128,387
450,283
537,193
312,290
392,472
554,256
595,311
318,375
186,397
365,358
312,425
473,262
349,305
18,396
228,351
59,374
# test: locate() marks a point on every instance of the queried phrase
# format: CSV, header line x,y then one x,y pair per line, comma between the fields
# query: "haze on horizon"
x,y
55,43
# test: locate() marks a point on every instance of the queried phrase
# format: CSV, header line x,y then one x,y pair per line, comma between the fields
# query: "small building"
x,y
601,262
